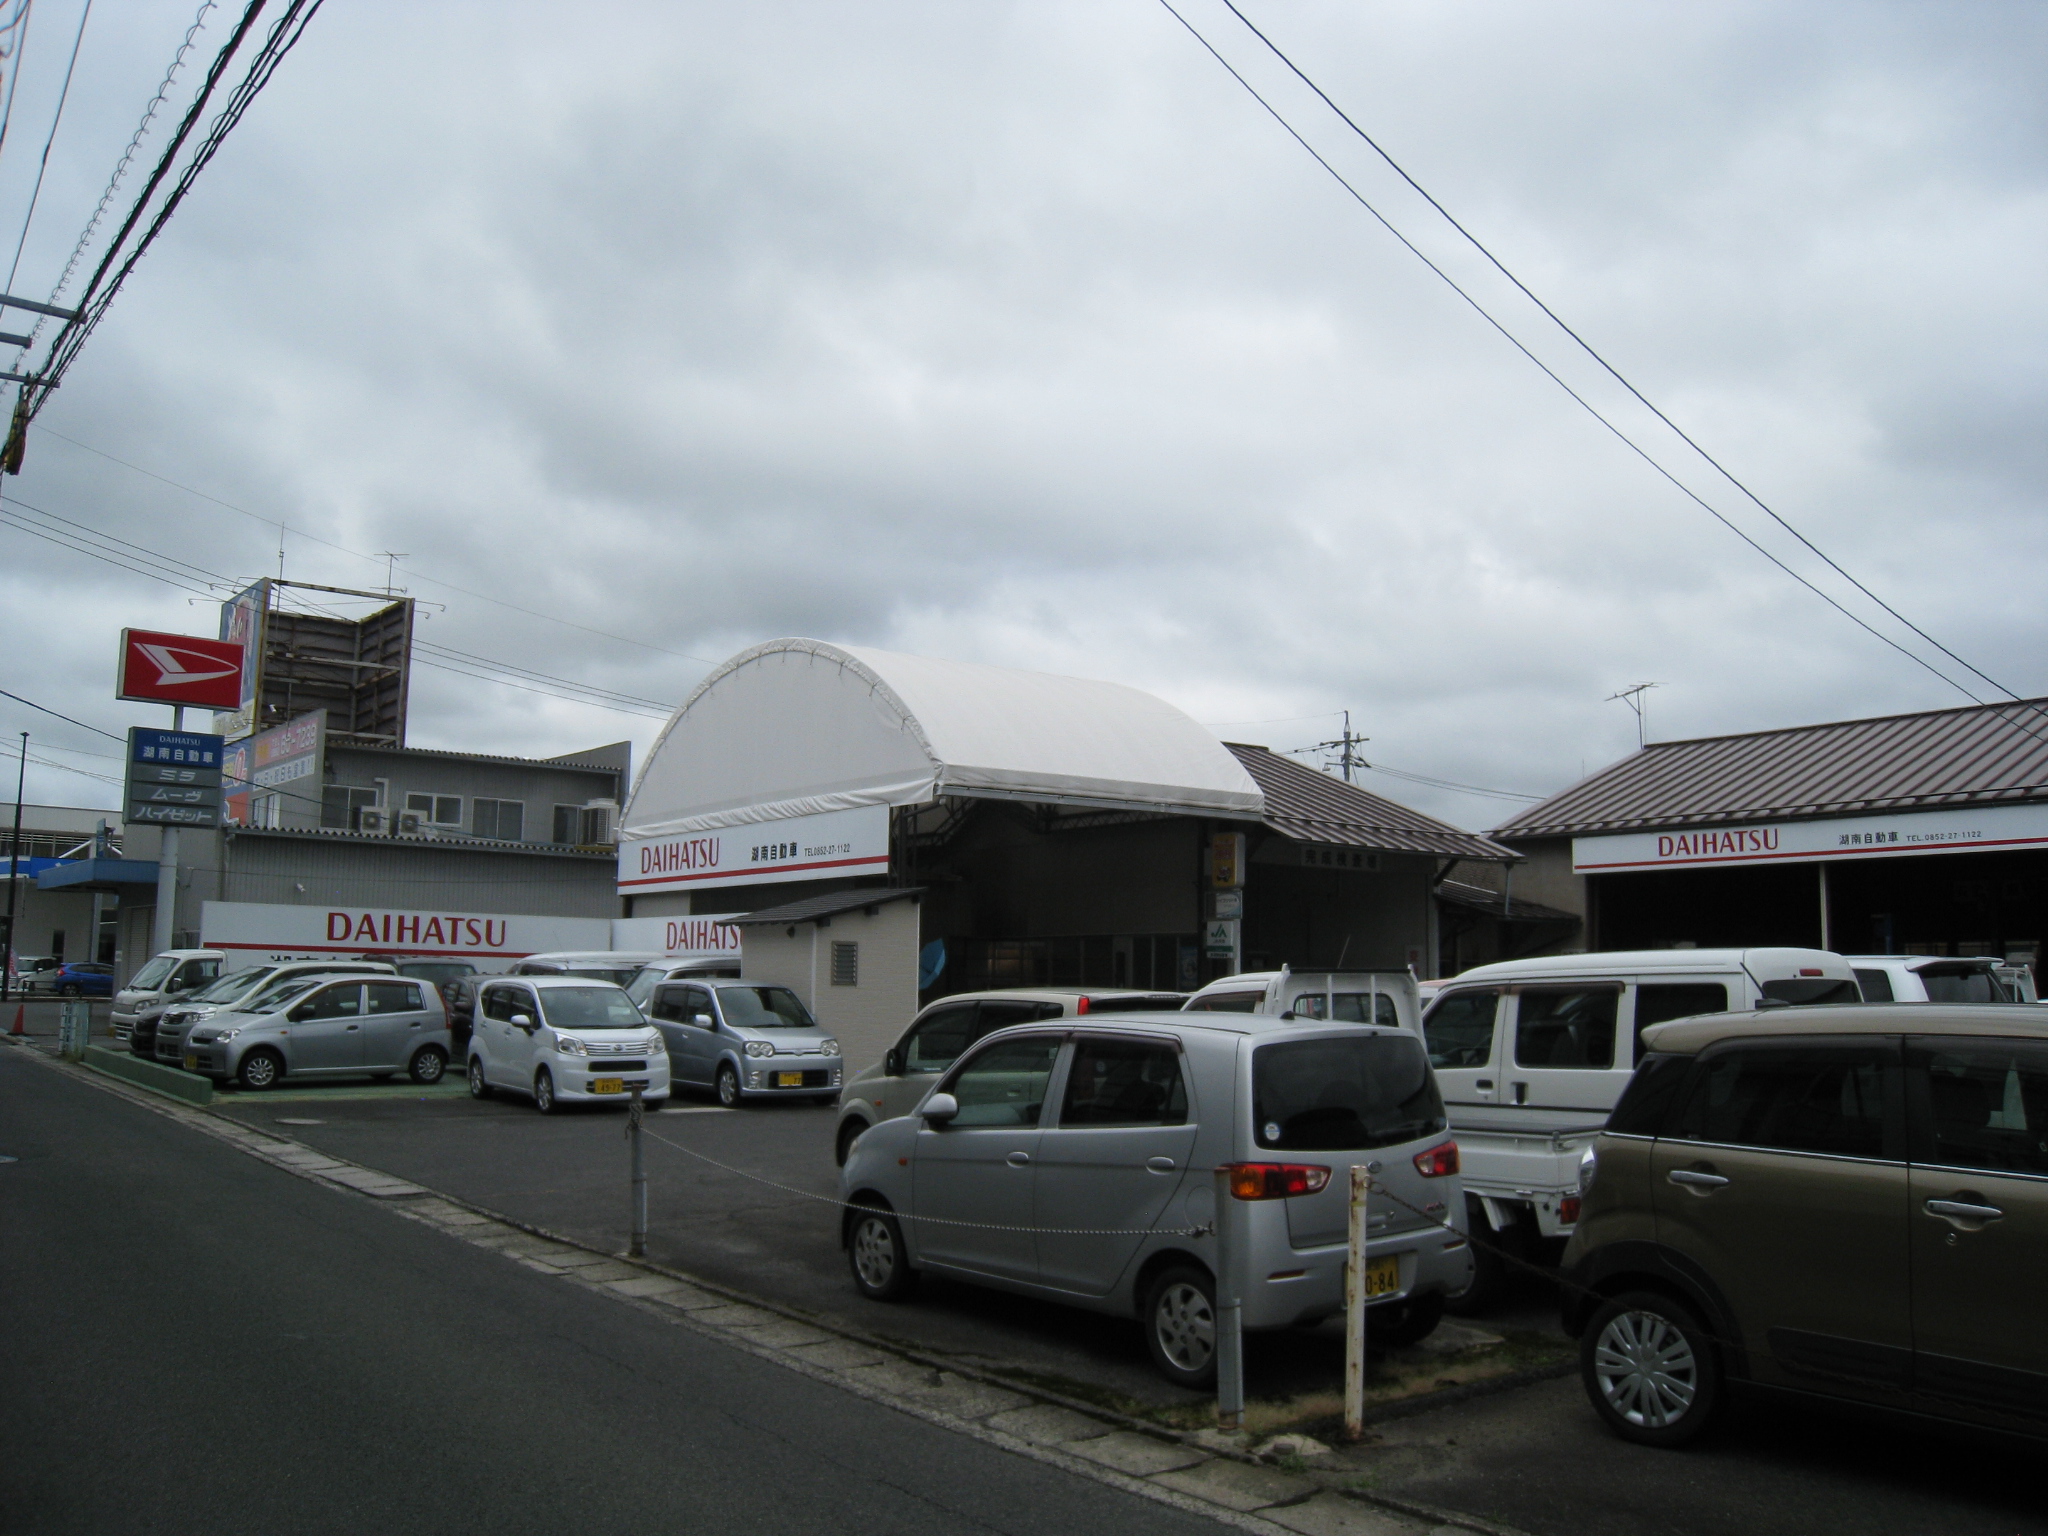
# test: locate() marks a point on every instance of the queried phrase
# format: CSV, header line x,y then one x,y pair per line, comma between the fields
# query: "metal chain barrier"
x,y
941,1221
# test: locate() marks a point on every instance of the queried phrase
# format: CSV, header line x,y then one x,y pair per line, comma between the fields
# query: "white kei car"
x,y
563,1040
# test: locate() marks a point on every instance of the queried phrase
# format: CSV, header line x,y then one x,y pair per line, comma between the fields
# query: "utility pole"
x,y
13,876
1633,697
1347,759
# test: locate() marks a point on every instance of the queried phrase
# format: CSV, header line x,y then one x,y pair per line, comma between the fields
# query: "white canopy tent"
x,y
798,727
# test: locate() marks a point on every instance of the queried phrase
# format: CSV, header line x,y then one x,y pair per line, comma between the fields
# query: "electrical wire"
x,y
1516,342
412,571
1422,778
43,165
32,704
1613,372
106,201
18,47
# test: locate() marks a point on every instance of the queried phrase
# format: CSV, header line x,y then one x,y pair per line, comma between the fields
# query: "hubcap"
x,y
476,1078
874,1252
728,1087
1646,1369
429,1068
261,1071
544,1091
1186,1326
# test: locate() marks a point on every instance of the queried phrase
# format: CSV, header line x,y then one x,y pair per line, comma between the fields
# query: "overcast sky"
x,y
1021,334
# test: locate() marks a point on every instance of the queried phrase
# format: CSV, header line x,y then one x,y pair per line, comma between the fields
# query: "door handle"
x,y
1521,1093
1692,1178
1959,1211
1484,1084
1019,1159
1160,1164
355,1026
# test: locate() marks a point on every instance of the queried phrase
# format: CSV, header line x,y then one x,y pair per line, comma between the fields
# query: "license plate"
x,y
607,1085
1382,1276
191,1063
789,1079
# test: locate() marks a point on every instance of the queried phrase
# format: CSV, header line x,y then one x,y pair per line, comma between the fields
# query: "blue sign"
x,y
186,748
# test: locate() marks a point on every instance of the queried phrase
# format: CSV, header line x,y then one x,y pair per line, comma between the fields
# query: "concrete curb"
x,y
168,1081
1110,1448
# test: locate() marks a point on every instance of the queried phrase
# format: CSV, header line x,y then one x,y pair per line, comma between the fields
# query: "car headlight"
x,y
760,1047
1589,1167
226,1035
828,1047
569,1045
655,1047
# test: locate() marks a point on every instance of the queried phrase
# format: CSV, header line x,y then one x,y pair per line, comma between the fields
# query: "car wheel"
x,y
849,1133
728,1085
874,1249
69,989
479,1085
544,1092
1405,1322
1650,1369
1180,1326
260,1070
428,1064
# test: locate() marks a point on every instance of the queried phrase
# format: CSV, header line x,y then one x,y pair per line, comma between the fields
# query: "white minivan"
x,y
1935,979
1531,1055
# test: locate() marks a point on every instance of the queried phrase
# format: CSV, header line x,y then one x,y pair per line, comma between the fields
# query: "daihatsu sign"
x,y
179,669
262,931
829,844
1983,829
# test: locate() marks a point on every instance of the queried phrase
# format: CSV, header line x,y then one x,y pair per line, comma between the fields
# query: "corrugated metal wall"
x,y
308,871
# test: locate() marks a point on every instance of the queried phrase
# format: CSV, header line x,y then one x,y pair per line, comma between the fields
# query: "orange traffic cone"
x,y
19,1010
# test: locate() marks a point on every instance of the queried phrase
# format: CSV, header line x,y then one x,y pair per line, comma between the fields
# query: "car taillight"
x,y
1275,1181
1081,1005
1811,970
1438,1162
1568,1211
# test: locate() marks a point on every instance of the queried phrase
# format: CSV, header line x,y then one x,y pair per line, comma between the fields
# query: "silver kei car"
x,y
360,1026
1074,1159
745,1040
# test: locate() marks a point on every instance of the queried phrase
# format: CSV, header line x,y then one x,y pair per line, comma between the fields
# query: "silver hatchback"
x,y
1075,1160
745,1040
373,1027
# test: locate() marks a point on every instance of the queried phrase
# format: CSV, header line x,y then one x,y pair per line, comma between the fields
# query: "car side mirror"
x,y
892,1061
521,1021
299,1015
940,1108
703,1020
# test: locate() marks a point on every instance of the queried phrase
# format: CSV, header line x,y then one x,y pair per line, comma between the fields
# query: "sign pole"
x,y
13,877
1354,1308
167,871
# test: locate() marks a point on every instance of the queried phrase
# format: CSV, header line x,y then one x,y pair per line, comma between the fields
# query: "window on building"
x,y
504,820
583,825
441,810
845,963
341,806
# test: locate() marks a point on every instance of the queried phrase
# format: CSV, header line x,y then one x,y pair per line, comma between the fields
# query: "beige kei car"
x,y
1845,1203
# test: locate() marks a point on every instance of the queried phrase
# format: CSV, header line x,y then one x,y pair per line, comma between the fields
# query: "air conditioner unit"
x,y
413,824
600,818
373,818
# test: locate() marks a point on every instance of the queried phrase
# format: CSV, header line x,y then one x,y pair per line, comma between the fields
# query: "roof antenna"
x,y
1633,698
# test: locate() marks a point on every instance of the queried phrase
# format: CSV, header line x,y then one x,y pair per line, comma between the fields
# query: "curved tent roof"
x,y
797,727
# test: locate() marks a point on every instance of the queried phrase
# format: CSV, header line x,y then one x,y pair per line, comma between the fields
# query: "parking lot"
x,y
1532,1456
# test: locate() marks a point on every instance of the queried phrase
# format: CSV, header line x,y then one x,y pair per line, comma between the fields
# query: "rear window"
x,y
1351,1008
1343,1094
1226,1002
1963,984
1876,985
1808,991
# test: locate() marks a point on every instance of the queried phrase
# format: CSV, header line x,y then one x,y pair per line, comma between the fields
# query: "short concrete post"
x,y
1229,1307
638,1247
1354,1311
74,1028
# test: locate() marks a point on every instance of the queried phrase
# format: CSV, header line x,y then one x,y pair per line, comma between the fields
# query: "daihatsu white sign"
x,y
1978,830
831,843
265,931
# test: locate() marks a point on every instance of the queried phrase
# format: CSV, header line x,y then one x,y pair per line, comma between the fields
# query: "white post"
x,y
637,1245
1354,1311
1229,1308
167,870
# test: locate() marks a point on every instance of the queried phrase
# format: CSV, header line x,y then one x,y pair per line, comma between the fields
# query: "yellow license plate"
x,y
789,1079
191,1063
607,1085
1382,1276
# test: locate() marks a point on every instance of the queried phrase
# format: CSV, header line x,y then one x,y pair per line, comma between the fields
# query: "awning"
x,y
97,875
800,727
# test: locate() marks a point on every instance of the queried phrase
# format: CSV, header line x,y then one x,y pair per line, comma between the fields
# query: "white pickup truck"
x,y
1531,1055
1349,997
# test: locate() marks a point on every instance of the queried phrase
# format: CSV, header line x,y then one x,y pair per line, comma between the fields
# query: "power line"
x,y
1412,778
280,524
43,165
17,24
1610,369
1514,341
32,704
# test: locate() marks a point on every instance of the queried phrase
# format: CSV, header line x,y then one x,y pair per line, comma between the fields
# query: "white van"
x,y
1936,979
161,978
1345,997
617,966
1531,1055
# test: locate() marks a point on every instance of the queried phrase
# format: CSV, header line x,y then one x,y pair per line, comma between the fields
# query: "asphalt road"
x,y
198,1342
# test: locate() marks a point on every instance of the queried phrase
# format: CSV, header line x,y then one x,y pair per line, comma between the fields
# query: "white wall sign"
x,y
1795,842
1219,938
263,931
680,938
852,842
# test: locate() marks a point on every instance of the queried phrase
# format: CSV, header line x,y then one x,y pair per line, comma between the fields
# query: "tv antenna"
x,y
1632,696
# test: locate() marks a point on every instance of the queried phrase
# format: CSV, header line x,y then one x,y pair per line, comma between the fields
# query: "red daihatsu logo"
x,y
180,669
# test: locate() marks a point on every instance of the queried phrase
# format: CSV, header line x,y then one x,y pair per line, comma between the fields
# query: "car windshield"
x,y
589,1008
617,975
763,1008
152,973
269,999
1343,1094
230,986
641,988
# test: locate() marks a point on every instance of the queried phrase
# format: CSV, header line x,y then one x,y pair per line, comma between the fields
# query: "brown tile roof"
x,y
1980,755
1312,807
